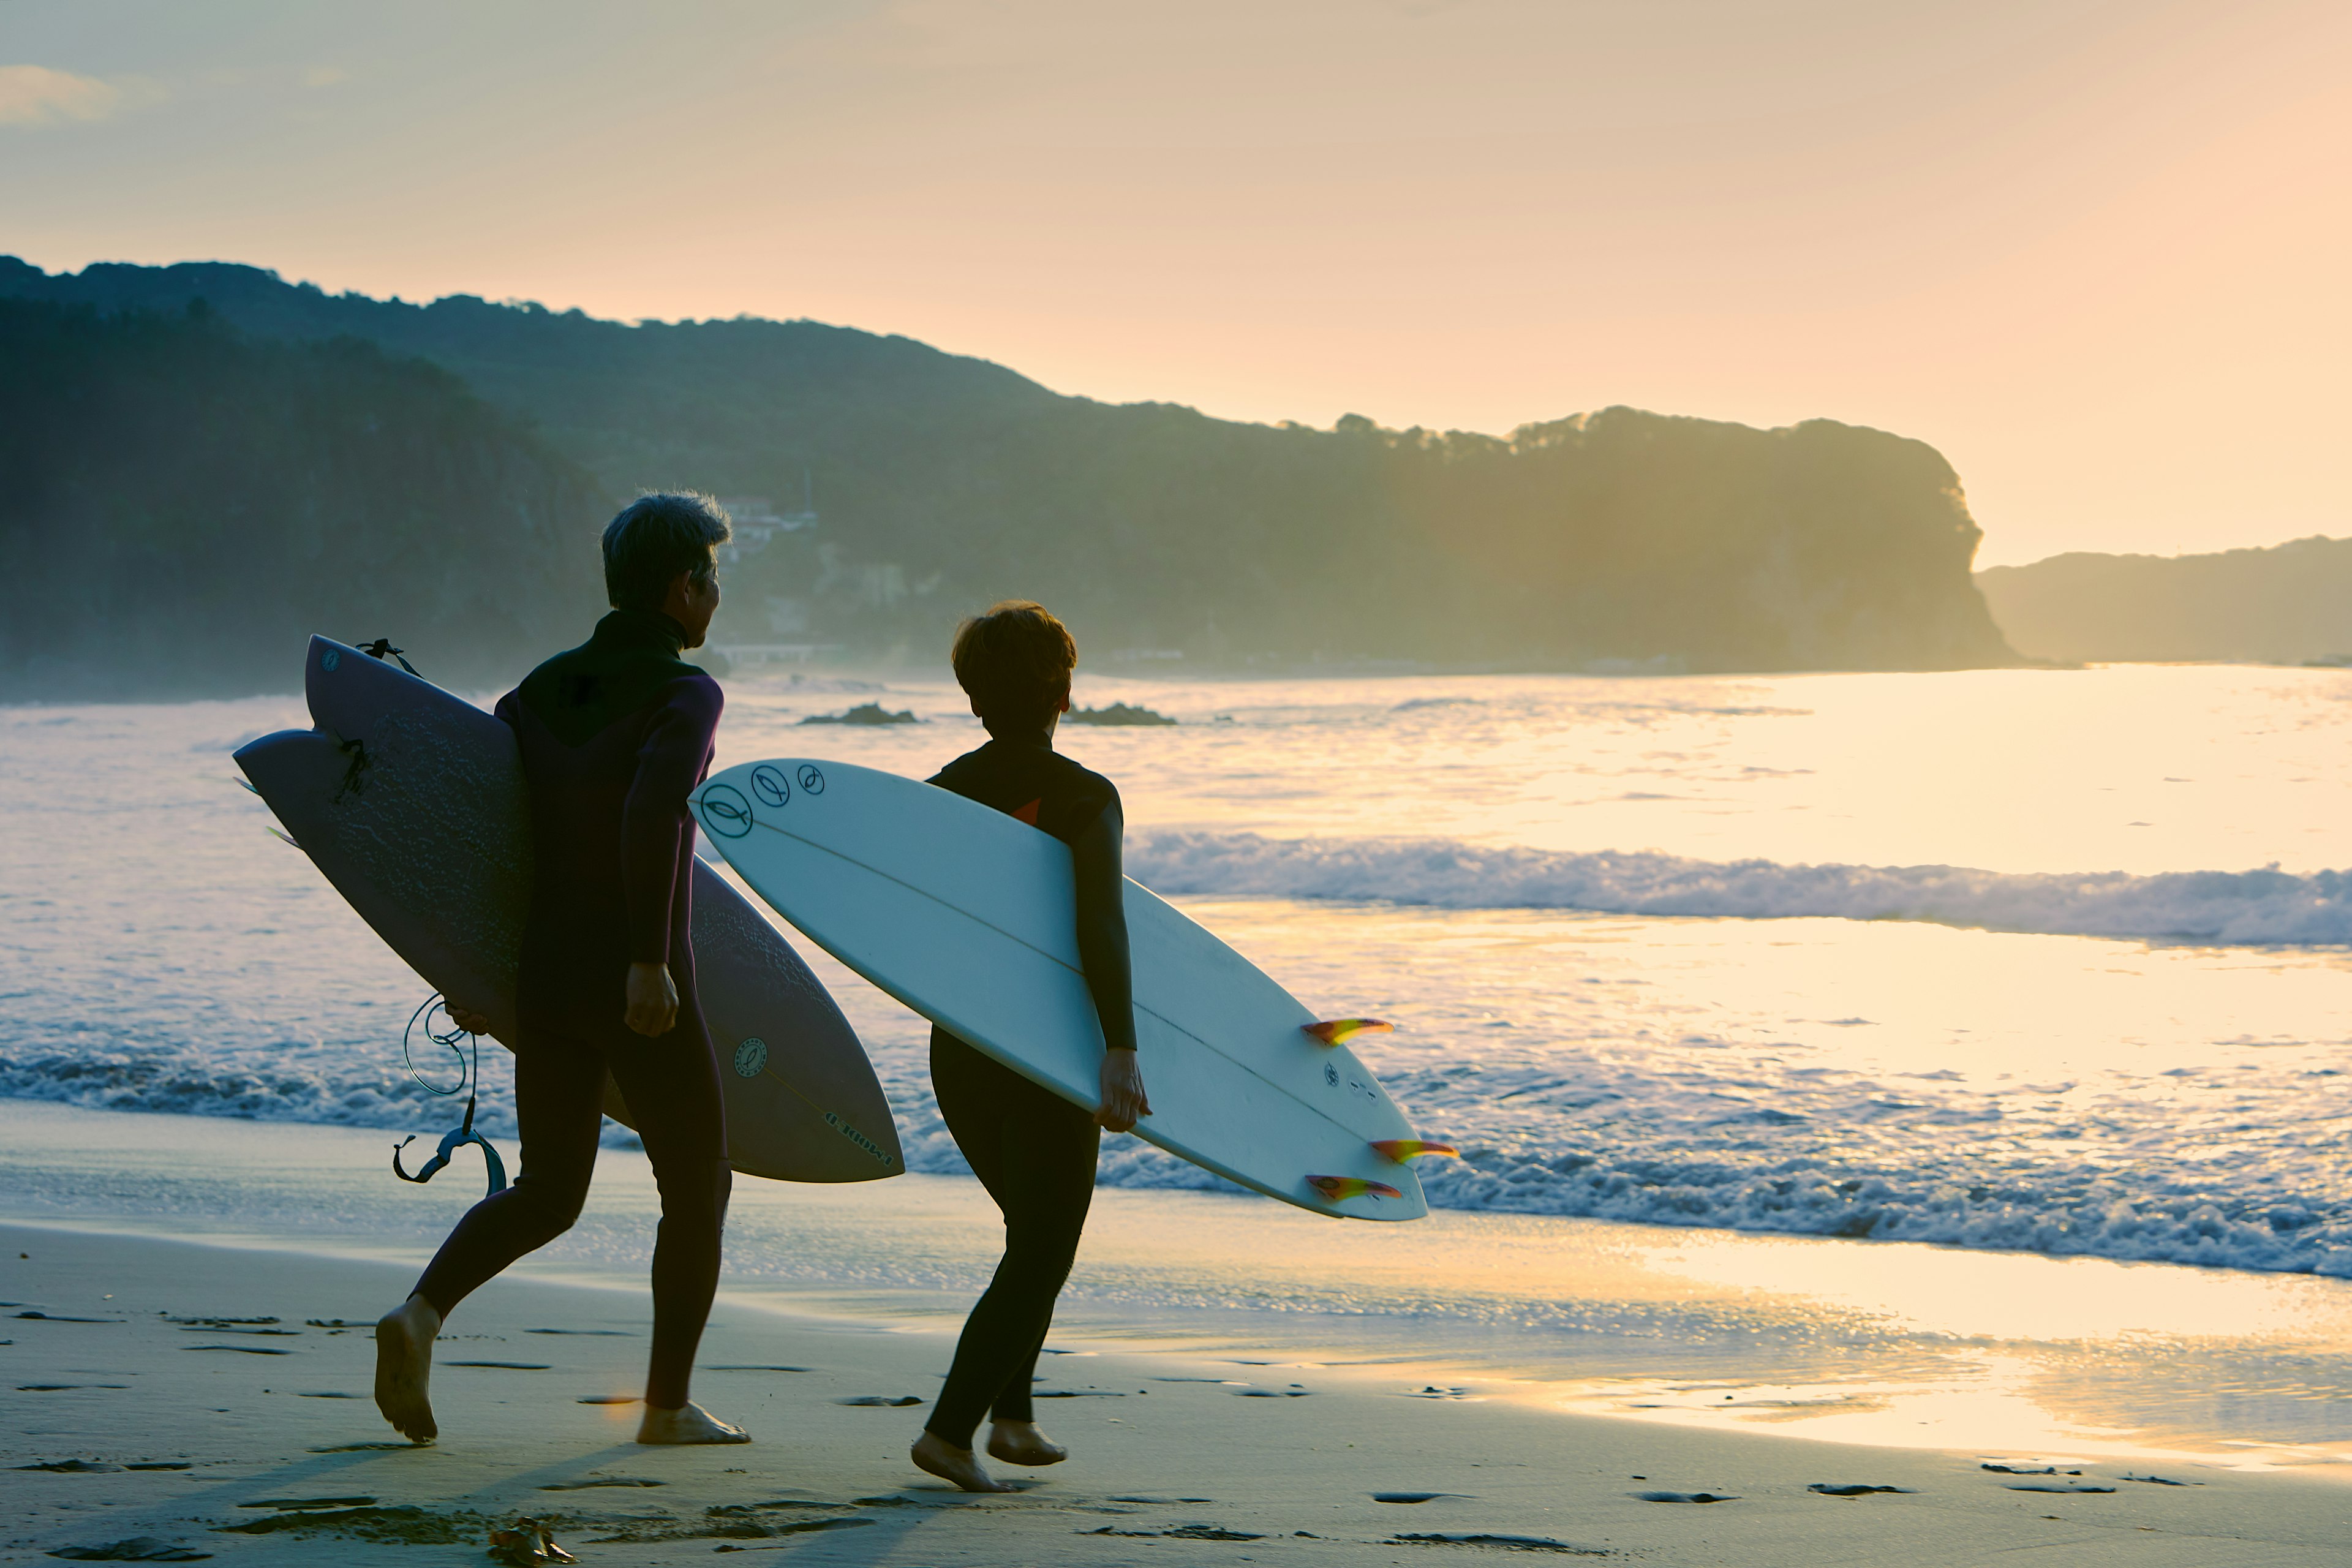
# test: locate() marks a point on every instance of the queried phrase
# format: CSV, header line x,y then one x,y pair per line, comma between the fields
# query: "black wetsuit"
x,y
1033,1150
615,734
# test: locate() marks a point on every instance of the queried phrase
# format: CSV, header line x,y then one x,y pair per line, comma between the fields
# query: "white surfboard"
x,y
966,916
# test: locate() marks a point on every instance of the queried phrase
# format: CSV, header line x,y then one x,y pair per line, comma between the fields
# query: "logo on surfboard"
x,y
752,1058
725,811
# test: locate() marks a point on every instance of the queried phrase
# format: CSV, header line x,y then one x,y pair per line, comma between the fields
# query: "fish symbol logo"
x,y
752,1058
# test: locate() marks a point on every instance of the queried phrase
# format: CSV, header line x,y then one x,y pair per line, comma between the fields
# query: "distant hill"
x,y
181,506
1613,540
2280,606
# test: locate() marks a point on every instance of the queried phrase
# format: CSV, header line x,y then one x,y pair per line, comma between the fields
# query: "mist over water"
x,y
2040,960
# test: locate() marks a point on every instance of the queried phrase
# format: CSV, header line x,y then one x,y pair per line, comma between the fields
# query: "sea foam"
x,y
2258,908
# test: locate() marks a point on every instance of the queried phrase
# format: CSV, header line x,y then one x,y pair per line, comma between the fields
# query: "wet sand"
x,y
154,1404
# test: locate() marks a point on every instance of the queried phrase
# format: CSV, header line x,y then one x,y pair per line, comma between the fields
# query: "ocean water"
x,y
2050,961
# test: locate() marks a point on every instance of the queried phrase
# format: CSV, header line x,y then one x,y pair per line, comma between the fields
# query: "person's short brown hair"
x,y
1014,663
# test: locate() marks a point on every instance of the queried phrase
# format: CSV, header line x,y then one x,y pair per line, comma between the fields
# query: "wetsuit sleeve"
x,y
671,762
1102,924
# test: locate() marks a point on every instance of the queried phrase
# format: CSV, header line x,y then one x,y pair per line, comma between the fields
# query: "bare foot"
x,y
690,1423
404,1366
1020,1443
949,1463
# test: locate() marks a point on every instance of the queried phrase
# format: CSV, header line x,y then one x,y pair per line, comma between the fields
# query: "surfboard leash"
x,y
469,1074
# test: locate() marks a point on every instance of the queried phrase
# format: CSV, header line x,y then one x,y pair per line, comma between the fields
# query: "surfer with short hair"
x,y
1034,1151
613,736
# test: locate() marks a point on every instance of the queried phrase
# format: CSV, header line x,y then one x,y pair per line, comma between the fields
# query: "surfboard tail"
x,y
1405,1151
1339,1031
1339,1189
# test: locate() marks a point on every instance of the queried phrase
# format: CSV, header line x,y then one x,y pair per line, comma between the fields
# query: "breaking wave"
x,y
2262,908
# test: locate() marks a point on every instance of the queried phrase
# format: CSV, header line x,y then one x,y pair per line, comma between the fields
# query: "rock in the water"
x,y
1117,713
864,714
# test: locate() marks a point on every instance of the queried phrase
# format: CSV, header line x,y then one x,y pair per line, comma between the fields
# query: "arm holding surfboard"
x,y
1110,970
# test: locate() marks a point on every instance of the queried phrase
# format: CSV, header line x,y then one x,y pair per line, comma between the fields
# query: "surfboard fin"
x,y
1337,1189
1339,1031
1405,1150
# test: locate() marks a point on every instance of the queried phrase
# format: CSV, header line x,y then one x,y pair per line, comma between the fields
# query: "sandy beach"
x,y
216,1399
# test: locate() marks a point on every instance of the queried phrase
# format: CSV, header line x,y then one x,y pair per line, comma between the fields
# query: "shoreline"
x,y
271,1452
1894,1345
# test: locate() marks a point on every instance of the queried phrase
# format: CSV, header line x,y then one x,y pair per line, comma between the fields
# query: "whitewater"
x,y
2053,961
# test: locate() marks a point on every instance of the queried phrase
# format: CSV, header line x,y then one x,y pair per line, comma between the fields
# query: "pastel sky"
x,y
2097,253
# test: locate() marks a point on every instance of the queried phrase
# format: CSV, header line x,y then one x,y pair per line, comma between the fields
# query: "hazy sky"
x,y
2099,254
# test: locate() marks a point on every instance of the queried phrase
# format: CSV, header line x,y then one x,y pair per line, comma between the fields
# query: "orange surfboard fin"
x,y
1402,1149
1339,1188
1339,1031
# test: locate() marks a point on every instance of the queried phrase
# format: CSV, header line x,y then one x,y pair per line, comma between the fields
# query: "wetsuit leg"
x,y
1034,1151
674,1095
559,1104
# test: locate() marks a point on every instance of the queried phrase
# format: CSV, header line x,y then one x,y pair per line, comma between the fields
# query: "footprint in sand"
x,y
601,1482
243,1349
1831,1489
137,1549
612,1333
609,1399
503,1366
755,1369
900,1402
1508,1542
70,1467
2055,1486
1415,1497
1181,1532
1682,1497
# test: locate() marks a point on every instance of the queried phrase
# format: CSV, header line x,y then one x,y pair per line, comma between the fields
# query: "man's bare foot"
x,y
404,1367
950,1463
690,1423
1020,1443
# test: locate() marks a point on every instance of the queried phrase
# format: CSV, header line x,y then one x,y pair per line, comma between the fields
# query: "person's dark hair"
x,y
654,539
1014,662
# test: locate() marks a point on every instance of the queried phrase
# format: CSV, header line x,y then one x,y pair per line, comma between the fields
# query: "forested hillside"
x,y
942,482
2278,605
181,506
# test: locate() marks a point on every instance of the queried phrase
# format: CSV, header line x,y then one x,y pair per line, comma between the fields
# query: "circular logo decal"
x,y
812,779
752,1058
725,811
1332,1075
330,659
770,786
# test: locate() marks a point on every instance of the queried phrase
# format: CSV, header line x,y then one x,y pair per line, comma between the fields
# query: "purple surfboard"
x,y
410,800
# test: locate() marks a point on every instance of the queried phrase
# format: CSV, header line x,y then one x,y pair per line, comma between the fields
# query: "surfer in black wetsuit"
x,y
1034,1151
613,735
